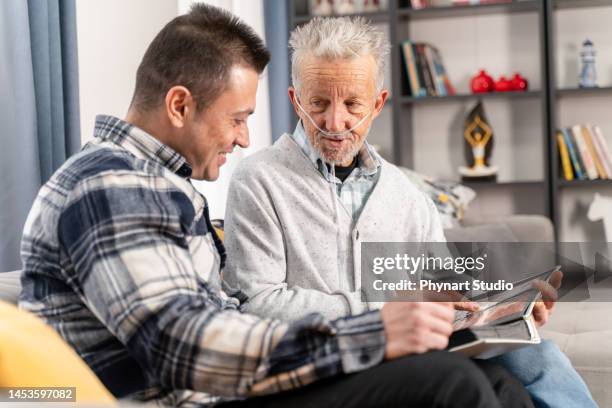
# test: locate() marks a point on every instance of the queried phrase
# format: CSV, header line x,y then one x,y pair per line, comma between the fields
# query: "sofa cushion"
x,y
32,354
584,332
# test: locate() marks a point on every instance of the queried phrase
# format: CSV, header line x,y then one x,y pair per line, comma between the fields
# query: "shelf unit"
x,y
472,97
556,93
585,183
399,16
584,91
467,10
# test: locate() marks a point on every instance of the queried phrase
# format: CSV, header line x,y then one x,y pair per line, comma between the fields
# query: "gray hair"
x,y
338,38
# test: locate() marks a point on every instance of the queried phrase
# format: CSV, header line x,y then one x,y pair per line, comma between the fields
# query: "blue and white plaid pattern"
x,y
356,188
121,259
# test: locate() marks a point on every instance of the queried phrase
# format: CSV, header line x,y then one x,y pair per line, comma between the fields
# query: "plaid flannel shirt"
x,y
120,258
356,188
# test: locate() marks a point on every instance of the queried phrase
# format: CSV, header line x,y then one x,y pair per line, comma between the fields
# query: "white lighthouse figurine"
x,y
588,75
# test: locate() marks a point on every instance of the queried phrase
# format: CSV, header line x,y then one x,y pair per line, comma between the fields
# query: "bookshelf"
x,y
570,105
529,119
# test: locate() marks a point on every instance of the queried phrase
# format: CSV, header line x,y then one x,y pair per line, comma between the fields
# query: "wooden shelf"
x,y
584,183
470,97
505,184
584,91
567,4
375,17
479,9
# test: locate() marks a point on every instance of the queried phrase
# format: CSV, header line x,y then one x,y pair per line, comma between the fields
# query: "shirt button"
x,y
364,358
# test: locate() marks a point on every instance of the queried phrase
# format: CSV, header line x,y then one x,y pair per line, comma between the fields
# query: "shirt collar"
x,y
140,144
368,164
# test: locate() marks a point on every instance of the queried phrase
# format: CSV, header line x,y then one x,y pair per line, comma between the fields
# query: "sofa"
x,y
583,330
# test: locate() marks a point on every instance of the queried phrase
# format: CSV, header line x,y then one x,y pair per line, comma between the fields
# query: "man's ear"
x,y
293,98
179,105
380,101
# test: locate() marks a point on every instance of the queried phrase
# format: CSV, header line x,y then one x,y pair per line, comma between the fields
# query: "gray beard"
x,y
348,156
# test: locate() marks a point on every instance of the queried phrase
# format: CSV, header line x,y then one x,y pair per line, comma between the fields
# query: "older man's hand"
x,y
459,301
543,309
416,327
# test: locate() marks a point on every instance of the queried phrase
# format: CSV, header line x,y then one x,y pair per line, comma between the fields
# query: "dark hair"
x,y
197,50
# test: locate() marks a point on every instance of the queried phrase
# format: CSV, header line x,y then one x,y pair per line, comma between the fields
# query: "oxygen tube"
x,y
345,134
332,135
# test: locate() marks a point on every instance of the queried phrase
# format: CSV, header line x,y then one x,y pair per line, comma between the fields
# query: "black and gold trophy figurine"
x,y
478,137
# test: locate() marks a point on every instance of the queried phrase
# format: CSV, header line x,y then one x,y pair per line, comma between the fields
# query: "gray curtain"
x,y
277,41
39,111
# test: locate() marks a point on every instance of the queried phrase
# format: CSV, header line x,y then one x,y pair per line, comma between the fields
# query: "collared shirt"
x,y
121,259
355,190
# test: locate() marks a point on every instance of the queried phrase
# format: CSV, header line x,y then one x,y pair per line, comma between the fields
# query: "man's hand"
x,y
467,305
459,301
543,309
416,327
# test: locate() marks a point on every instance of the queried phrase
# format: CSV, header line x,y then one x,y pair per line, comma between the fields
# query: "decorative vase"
x,y
482,83
503,84
519,83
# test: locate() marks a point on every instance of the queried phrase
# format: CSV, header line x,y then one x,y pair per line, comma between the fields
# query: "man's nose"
x,y
335,119
243,139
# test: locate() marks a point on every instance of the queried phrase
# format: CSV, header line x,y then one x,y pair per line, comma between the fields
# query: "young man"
x,y
299,210
121,259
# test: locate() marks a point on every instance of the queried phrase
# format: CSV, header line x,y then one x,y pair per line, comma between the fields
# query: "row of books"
x,y
420,4
425,71
584,152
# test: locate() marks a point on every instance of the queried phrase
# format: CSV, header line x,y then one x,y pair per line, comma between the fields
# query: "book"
x,y
596,131
448,87
573,153
431,67
584,153
424,69
505,325
414,87
566,165
419,71
599,151
586,134
440,72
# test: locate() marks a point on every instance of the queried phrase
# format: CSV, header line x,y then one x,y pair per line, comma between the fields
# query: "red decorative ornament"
x,y
503,85
519,83
482,83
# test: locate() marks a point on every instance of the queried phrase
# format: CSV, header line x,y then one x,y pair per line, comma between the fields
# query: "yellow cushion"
x,y
32,354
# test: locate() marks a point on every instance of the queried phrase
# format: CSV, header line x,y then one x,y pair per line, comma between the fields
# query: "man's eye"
x,y
238,122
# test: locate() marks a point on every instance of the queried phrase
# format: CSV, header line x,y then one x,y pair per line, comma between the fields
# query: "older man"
x,y
298,211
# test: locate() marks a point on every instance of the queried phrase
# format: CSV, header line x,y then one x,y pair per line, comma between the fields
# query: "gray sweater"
x,y
294,249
